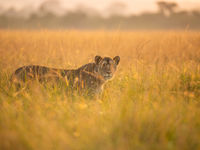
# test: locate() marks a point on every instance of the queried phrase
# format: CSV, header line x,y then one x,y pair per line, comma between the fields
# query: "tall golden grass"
x,y
152,103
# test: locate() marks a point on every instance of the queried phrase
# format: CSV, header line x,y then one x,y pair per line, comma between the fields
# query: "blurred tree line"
x,y
49,16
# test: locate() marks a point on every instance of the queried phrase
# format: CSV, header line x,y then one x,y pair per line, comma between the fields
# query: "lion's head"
x,y
106,66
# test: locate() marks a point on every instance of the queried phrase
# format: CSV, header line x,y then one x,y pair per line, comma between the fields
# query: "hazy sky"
x,y
133,6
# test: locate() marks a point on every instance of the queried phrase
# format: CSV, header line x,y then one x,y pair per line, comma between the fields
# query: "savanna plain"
x,y
152,103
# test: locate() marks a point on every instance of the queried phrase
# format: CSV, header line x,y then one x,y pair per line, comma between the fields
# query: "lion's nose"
x,y
109,72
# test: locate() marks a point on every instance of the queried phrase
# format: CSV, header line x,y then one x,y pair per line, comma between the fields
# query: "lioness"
x,y
90,77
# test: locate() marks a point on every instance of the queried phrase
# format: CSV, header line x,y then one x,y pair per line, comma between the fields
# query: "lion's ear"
x,y
98,59
116,60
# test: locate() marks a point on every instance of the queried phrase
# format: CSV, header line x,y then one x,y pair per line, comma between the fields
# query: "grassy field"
x,y
153,103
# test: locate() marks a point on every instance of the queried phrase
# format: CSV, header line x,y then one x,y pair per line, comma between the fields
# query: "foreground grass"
x,y
152,103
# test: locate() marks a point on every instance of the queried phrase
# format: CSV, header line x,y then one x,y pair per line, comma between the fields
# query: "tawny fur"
x,y
90,77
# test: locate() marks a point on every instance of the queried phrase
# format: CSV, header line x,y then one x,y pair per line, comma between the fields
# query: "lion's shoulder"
x,y
90,67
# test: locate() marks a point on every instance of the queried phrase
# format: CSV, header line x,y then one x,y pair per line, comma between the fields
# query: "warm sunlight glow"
x,y
132,6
